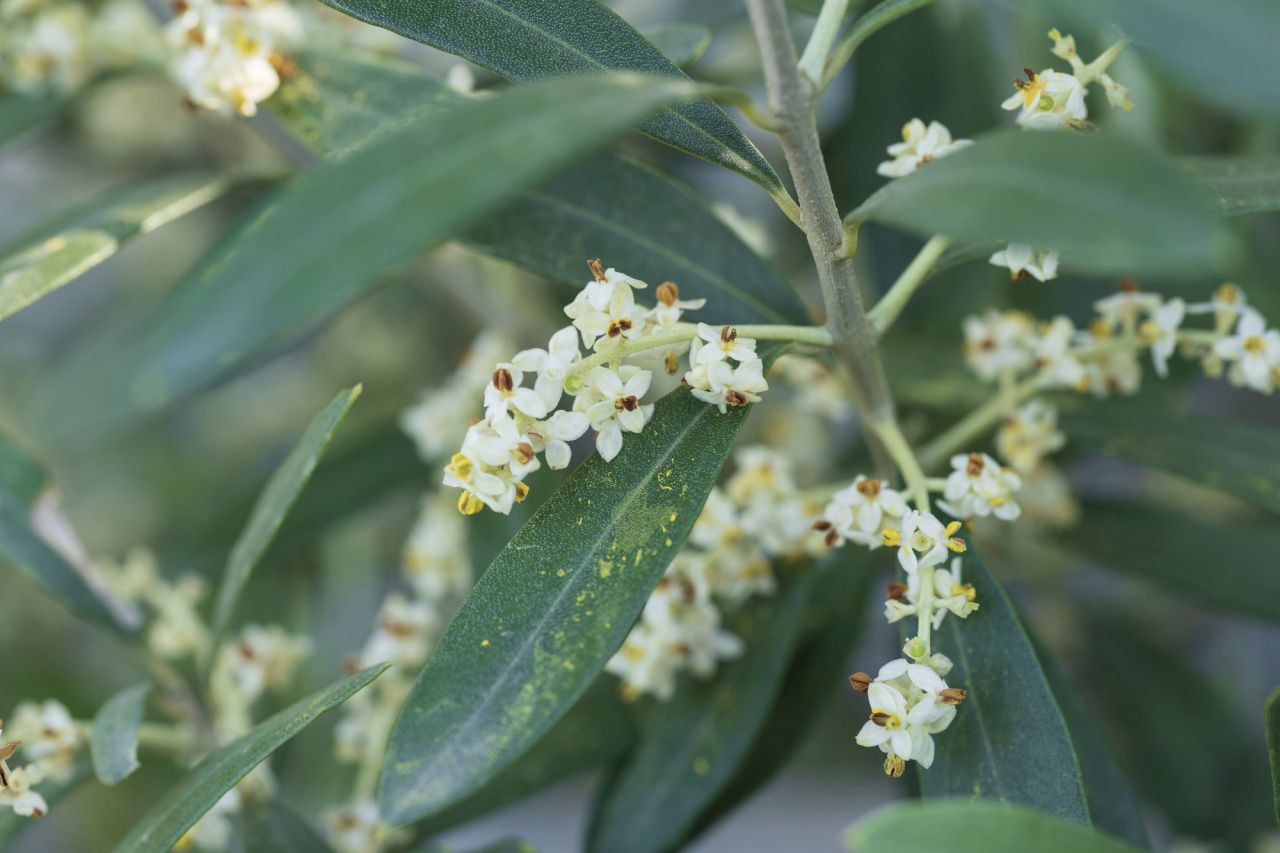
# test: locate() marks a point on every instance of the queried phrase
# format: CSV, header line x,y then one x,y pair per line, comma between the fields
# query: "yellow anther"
x,y
891,537
522,492
1254,344
460,466
965,589
997,501
1148,332
952,528
957,545
1228,292
894,766
469,504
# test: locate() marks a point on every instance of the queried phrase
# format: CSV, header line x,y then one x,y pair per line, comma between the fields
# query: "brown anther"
x,y
619,326
524,451
687,590
896,590
597,269
975,465
179,6
351,664
397,628
671,362
283,65
881,718
195,37
822,524
503,380
953,695
1129,285
668,293
1020,275
728,334
735,398
928,158
626,404
860,681
832,538
869,488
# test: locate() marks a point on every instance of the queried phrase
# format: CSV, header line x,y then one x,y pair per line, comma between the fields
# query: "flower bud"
x,y
915,649
860,681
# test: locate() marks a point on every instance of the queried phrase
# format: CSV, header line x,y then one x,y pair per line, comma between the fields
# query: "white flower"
x,y
953,595
48,49
909,704
1048,100
1023,260
434,423
817,390
724,385
919,145
1255,351
979,486
50,739
611,402
1126,308
504,393
670,306
404,635
1161,333
491,466
999,343
1227,303
861,510
552,366
354,827
717,345
436,560
1029,435
646,664
18,795
225,79
553,435
604,311
1057,361
923,541
760,474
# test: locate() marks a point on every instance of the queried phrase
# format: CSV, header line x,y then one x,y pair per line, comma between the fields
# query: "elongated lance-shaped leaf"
x,y
1110,206
330,237
21,481
113,740
974,827
1247,183
277,498
527,40
1009,741
1272,713
550,610
205,783
61,251
273,827
1237,458
691,746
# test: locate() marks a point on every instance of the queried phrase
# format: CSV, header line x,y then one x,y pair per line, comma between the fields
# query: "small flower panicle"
x,y
920,145
724,368
979,486
49,743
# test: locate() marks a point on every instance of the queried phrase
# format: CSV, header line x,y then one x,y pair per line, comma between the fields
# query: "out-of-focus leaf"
x,y
19,113
868,24
1009,729
338,100
61,251
817,671
1172,551
273,827
639,220
277,498
973,827
329,238
1214,784
691,746
1109,205
595,731
1239,459
1272,712
205,784
1242,184
682,44
1113,805
554,605
27,552
526,40
113,740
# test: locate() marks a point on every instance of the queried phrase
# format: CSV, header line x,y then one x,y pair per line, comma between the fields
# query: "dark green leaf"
x,y
57,253
871,22
551,609
27,552
275,828
1113,806
1236,458
338,100
1009,731
113,740
973,827
691,746
595,731
330,236
1273,745
277,498
1243,184
1171,550
205,784
1109,205
19,114
527,40
682,44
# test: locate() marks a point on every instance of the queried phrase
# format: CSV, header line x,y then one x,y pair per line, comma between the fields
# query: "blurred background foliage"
x,y
1164,612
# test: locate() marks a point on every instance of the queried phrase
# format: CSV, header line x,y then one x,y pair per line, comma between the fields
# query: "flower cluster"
x,y
920,144
437,568
47,46
230,55
607,386
910,703
759,516
50,742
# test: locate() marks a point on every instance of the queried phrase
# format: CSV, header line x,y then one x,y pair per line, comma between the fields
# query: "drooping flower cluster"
x,y
607,387
437,568
757,518
230,55
49,742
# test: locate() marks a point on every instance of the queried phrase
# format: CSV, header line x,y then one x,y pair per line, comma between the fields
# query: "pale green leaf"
x,y
113,740
1248,183
205,783
1107,204
277,498
21,113
527,40
682,44
950,826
